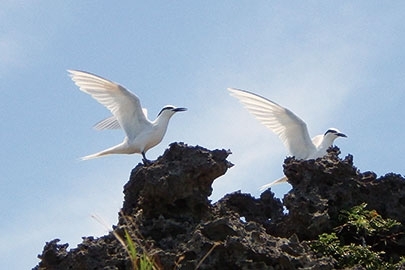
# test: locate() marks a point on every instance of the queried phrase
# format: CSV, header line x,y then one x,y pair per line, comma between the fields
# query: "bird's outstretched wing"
x,y
290,128
108,123
317,140
112,122
124,105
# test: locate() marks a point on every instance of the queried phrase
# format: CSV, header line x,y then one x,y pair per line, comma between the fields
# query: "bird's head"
x,y
169,110
333,133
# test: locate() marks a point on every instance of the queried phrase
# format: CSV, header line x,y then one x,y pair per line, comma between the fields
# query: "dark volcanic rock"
x,y
169,216
177,184
323,187
101,253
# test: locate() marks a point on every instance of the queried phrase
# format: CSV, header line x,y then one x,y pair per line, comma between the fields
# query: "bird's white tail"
x,y
278,181
118,149
96,155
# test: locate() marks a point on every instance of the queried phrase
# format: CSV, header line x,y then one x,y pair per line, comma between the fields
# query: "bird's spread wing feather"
x,y
124,105
317,140
112,122
290,128
108,123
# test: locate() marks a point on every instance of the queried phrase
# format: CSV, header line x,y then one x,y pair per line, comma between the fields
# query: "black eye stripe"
x,y
166,108
330,131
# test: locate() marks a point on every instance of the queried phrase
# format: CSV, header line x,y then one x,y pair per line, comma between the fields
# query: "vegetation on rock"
x,y
361,239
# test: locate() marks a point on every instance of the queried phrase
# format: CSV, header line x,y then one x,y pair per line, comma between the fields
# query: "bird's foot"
x,y
146,162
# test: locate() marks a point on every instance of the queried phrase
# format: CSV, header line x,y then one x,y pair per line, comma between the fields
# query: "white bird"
x,y
141,133
289,127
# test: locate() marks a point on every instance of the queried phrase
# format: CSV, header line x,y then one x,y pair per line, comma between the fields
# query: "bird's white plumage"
x,y
291,129
141,134
108,123
124,105
112,122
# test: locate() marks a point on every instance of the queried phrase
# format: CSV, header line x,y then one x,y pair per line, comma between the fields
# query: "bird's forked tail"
x,y
276,182
118,149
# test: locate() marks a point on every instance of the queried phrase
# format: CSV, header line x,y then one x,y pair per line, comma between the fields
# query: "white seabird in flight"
x,y
289,127
141,133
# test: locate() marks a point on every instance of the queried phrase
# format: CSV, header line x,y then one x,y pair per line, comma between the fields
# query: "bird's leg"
x,y
145,160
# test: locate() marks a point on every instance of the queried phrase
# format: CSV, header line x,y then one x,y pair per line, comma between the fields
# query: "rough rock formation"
x,y
168,215
323,187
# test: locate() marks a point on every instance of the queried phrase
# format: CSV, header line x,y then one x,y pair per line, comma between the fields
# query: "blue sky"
x,y
334,63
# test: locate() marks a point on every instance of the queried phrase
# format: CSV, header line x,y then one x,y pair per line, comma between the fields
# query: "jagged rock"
x,y
53,253
101,253
169,216
323,187
177,184
263,210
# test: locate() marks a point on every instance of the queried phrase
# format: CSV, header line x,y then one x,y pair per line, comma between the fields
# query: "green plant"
x,y
358,224
367,222
140,261
132,243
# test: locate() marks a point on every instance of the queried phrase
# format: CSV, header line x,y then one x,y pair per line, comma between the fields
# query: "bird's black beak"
x,y
179,109
341,135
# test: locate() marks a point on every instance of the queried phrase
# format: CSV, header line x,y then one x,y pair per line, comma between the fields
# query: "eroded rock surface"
x,y
323,187
169,216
